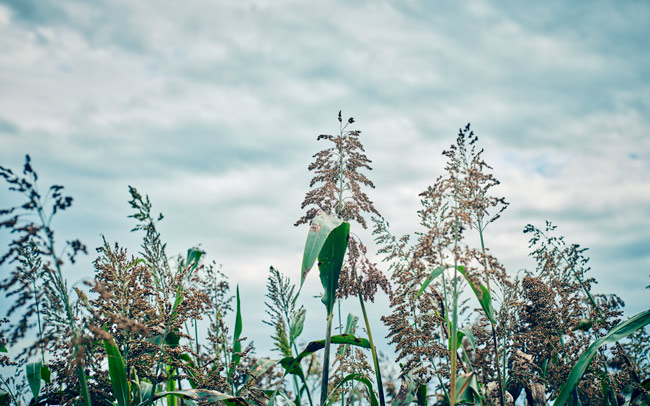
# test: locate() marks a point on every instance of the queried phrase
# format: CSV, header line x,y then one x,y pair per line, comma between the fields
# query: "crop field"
x,y
130,336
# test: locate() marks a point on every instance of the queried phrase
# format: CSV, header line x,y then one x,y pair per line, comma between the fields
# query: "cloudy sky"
x,y
213,108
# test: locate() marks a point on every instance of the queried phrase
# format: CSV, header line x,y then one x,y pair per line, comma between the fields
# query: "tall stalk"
x,y
326,360
494,335
373,350
330,313
65,299
454,318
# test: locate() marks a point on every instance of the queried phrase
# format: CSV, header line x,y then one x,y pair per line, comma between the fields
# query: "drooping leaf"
x,y
363,380
290,363
204,395
433,275
482,294
33,370
617,333
321,227
117,373
330,262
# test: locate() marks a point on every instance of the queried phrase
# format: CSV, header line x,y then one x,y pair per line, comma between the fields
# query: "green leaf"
x,y
646,384
171,384
330,262
422,394
177,301
261,366
187,360
145,392
4,397
405,397
482,294
173,338
45,373
34,377
433,275
236,344
290,363
3,348
466,332
117,373
363,380
204,395
617,333
193,257
467,388
320,228
350,328
297,323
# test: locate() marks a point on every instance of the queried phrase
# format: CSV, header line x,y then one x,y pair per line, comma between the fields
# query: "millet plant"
x,y
153,329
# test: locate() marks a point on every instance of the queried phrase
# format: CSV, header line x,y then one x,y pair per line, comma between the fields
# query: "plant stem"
x,y
38,316
63,292
494,335
305,380
295,348
373,350
454,323
196,336
326,360
11,394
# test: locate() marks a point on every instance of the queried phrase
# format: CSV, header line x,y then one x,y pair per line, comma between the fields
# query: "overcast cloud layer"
x,y
213,108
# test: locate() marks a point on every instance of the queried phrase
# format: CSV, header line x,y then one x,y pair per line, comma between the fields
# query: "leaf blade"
x,y
363,380
617,333
321,226
117,372
330,263
433,275
33,372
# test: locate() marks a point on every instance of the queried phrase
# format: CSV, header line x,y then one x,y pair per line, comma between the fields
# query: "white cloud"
x,y
213,109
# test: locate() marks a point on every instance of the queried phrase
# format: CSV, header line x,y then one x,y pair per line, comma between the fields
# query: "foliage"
x,y
151,328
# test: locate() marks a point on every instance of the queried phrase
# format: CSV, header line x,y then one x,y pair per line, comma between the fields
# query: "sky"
x,y
212,108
